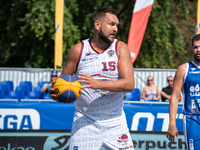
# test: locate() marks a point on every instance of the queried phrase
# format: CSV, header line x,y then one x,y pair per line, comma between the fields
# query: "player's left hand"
x,y
91,82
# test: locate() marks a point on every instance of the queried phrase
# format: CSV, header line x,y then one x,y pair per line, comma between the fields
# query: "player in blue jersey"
x,y
187,79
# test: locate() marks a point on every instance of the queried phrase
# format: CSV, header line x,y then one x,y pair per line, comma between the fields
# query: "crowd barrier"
x,y
36,75
47,124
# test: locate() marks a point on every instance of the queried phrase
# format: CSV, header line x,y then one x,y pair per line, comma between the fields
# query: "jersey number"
x,y
111,66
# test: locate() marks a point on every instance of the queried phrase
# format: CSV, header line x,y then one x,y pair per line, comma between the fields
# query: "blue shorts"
x,y
191,128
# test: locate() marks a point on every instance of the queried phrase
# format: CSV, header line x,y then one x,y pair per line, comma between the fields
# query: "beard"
x,y
197,58
104,37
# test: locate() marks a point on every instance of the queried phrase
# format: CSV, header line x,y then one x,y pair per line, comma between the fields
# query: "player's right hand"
x,y
172,132
51,91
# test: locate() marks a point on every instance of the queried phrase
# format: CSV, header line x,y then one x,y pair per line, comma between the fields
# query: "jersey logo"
x,y
111,53
195,90
191,144
103,93
193,104
89,59
87,54
194,71
123,140
100,75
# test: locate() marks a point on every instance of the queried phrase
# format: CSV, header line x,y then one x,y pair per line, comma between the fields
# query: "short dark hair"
x,y
101,12
195,38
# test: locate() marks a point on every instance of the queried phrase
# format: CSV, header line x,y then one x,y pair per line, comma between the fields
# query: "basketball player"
x,y
104,68
187,78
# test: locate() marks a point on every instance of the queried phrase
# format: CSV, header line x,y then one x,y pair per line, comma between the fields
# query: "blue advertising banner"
x,y
151,117
40,115
36,115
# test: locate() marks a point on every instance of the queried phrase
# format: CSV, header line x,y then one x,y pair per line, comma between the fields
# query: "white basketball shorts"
x,y
88,134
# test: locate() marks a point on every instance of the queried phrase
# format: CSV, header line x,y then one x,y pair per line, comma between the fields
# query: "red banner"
x,y
138,25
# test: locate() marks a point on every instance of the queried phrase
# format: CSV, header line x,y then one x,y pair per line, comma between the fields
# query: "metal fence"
x,y
42,74
159,75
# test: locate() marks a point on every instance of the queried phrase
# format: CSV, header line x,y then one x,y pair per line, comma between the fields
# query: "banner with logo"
x,y
36,115
151,117
60,139
51,115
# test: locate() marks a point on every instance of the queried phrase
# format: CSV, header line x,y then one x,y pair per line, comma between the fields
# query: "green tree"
x,y
28,29
163,41
27,37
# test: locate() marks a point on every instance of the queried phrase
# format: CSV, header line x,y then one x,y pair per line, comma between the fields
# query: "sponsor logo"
x,y
90,53
198,101
88,59
75,148
111,53
157,144
191,144
194,90
194,72
163,119
34,141
20,142
123,140
124,148
56,91
57,143
87,54
101,77
13,147
193,104
103,93
19,119
54,140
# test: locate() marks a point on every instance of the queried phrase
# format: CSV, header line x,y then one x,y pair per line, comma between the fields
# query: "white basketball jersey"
x,y
98,104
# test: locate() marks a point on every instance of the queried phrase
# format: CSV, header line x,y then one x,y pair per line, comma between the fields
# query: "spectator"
x,y
46,86
167,91
150,91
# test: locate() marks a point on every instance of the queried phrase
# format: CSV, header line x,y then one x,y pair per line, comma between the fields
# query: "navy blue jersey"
x,y
191,89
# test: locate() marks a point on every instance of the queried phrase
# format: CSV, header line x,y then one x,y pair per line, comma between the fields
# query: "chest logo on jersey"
x,y
194,71
111,53
195,90
90,53
87,54
88,59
